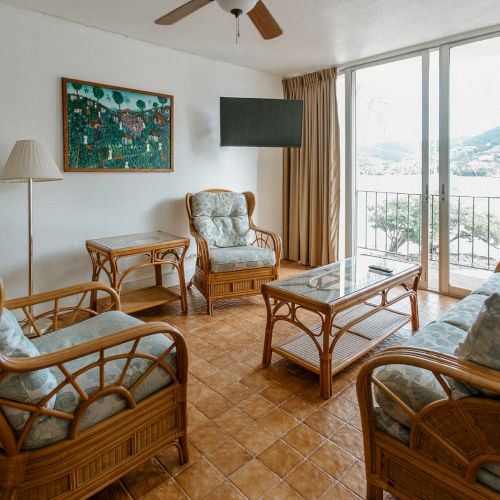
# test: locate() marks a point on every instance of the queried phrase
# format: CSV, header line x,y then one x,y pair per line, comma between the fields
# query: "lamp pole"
x,y
30,237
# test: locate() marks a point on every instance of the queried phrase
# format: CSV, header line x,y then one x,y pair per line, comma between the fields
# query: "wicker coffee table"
x,y
342,310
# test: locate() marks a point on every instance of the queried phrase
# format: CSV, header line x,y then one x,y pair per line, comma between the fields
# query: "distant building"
x,y
127,139
154,136
95,123
160,119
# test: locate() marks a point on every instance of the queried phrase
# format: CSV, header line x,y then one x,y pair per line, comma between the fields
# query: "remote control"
x,y
382,269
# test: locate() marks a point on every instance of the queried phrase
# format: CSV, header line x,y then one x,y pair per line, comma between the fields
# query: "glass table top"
x,y
137,240
334,281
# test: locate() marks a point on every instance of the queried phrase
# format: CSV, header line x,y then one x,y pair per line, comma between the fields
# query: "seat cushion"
x,y
415,386
464,313
237,258
29,387
490,286
48,429
221,218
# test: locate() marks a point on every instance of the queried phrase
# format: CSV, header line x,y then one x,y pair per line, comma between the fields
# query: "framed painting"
x,y
115,129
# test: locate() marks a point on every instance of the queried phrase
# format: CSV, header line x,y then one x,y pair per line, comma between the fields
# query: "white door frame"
x,y
350,162
444,170
424,207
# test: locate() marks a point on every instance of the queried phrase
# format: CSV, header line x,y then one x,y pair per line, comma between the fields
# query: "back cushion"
x,y
28,387
221,218
482,343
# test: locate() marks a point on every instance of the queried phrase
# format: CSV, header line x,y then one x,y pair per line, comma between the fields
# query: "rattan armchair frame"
x,y
88,460
450,439
241,283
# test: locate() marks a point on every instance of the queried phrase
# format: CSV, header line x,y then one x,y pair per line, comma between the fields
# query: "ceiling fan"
x,y
256,10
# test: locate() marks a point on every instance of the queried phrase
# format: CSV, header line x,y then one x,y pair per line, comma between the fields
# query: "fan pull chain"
x,y
237,29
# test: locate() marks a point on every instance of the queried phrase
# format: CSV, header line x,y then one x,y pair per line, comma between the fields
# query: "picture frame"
x,y
108,128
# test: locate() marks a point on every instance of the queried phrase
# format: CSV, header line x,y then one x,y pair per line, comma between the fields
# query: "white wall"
x,y
36,51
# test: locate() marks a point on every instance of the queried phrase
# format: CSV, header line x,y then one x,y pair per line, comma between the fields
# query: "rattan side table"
x,y
155,249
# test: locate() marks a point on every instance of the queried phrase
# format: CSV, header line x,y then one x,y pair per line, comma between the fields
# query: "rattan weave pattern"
x,y
365,334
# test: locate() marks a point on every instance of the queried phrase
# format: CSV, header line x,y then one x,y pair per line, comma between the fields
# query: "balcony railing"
x,y
390,223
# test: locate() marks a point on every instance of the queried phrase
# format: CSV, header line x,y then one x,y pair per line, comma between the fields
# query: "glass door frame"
x,y
350,155
445,285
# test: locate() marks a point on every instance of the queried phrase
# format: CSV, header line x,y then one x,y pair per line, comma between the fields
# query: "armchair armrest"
x,y
54,296
96,347
202,253
53,359
436,362
265,238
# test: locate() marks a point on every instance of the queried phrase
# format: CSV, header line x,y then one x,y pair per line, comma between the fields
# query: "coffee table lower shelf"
x,y
353,344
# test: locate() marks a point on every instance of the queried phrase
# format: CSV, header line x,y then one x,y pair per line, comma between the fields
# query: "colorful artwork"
x,y
109,129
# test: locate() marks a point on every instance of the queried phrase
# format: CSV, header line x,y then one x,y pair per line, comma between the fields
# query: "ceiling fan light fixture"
x,y
240,6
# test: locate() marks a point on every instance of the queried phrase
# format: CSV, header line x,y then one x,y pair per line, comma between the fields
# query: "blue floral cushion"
x,y
490,286
237,258
29,387
463,314
47,429
221,218
482,343
415,386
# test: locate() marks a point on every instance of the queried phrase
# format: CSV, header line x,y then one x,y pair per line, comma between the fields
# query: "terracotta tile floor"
x,y
254,432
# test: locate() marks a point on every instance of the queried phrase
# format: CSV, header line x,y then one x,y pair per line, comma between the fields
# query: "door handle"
x,y
443,197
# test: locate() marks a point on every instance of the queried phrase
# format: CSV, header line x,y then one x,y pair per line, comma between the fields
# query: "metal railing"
x,y
390,223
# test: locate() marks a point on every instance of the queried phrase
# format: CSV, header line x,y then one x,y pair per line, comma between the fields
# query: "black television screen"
x,y
260,122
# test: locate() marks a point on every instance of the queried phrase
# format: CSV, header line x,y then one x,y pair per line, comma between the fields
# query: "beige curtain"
x,y
311,174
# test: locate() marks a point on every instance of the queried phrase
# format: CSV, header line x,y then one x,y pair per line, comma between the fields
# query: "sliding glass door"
x,y
473,180
422,161
389,159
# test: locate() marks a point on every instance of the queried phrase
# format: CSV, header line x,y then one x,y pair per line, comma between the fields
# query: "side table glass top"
x,y
332,282
137,240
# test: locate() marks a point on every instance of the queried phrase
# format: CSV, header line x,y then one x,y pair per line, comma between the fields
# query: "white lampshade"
x,y
243,5
30,159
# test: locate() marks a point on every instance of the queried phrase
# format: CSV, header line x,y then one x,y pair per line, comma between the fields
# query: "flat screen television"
x,y
260,122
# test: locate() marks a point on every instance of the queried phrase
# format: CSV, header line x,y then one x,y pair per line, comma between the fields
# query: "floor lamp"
x,y
30,161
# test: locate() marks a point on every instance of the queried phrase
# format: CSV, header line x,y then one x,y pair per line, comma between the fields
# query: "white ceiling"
x,y
317,33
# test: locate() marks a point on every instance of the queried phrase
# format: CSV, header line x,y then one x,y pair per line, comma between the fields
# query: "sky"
x,y
388,96
108,101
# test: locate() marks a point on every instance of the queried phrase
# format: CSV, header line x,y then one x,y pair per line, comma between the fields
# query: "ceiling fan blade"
x,y
182,11
264,21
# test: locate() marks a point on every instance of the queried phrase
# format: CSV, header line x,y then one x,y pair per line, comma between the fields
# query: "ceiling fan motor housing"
x,y
237,7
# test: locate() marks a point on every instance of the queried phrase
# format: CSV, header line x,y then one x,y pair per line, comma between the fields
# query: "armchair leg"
x,y
183,450
190,284
210,307
374,492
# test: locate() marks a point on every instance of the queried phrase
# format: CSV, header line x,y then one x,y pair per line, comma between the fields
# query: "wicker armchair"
x,y
224,268
450,440
109,393
431,420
